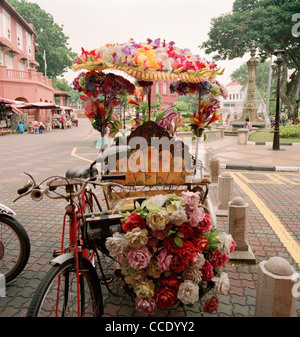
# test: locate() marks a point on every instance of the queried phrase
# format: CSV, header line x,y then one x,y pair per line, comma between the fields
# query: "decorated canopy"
x,y
153,60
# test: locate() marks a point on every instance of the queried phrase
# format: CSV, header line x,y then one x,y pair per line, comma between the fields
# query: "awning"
x,y
9,101
39,105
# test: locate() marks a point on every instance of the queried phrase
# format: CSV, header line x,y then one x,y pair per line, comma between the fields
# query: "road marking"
x,y
272,180
286,179
284,236
73,153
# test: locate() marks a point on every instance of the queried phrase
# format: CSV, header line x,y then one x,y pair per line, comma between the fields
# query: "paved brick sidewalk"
x,y
45,155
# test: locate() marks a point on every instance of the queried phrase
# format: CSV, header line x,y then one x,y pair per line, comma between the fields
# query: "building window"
x,y
6,25
164,88
240,96
21,65
157,87
230,96
28,43
19,36
9,60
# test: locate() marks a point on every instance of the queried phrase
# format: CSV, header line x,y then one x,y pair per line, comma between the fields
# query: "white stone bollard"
x,y
225,192
214,165
243,136
275,296
208,154
238,228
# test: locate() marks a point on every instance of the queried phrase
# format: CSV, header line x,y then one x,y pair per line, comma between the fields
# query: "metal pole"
x,y
276,143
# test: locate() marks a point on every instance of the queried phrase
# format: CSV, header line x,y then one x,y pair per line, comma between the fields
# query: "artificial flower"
x,y
164,263
157,220
188,292
193,274
116,244
165,297
207,271
136,277
153,270
137,238
222,284
138,258
146,306
132,221
145,289
164,260
211,305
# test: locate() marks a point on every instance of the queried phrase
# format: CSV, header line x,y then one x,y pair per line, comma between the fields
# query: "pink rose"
x,y
146,306
207,271
138,258
191,199
195,216
164,260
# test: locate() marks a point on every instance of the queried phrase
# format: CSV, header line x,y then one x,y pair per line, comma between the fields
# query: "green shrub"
x,y
290,131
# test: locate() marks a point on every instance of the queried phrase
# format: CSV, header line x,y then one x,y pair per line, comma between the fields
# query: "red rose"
x,y
170,245
187,230
170,282
211,305
205,224
201,244
218,259
188,252
178,264
165,297
207,271
133,221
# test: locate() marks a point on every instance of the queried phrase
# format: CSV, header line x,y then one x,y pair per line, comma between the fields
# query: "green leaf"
x,y
179,234
178,241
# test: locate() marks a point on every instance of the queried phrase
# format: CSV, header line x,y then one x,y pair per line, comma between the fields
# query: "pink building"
x,y
19,80
163,88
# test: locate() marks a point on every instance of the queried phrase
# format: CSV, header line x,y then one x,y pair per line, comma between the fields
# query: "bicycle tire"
x,y
38,306
15,245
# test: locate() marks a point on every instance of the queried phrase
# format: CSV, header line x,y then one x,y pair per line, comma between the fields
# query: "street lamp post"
x,y
278,53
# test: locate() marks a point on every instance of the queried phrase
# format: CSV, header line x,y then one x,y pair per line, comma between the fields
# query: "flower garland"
x,y
154,54
169,254
111,87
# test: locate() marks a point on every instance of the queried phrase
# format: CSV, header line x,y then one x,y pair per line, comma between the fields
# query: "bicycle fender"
x,y
6,210
61,258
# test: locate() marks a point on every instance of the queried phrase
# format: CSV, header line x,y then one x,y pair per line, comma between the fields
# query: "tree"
x,y
50,38
268,23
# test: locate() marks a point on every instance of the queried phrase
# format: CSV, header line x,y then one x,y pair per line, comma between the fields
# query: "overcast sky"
x,y
93,23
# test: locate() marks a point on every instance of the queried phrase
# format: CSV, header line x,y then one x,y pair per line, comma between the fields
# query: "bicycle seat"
x,y
80,172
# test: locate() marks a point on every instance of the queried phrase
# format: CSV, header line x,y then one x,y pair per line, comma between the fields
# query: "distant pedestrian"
x,y
247,125
283,121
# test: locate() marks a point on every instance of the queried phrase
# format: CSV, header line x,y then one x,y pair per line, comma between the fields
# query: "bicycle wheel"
x,y
56,296
14,247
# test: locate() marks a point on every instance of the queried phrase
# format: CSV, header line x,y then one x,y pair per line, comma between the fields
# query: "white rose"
x,y
222,284
225,243
188,292
178,217
200,260
157,220
116,244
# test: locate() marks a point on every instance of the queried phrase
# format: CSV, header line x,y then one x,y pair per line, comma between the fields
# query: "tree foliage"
x,y
269,24
50,38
